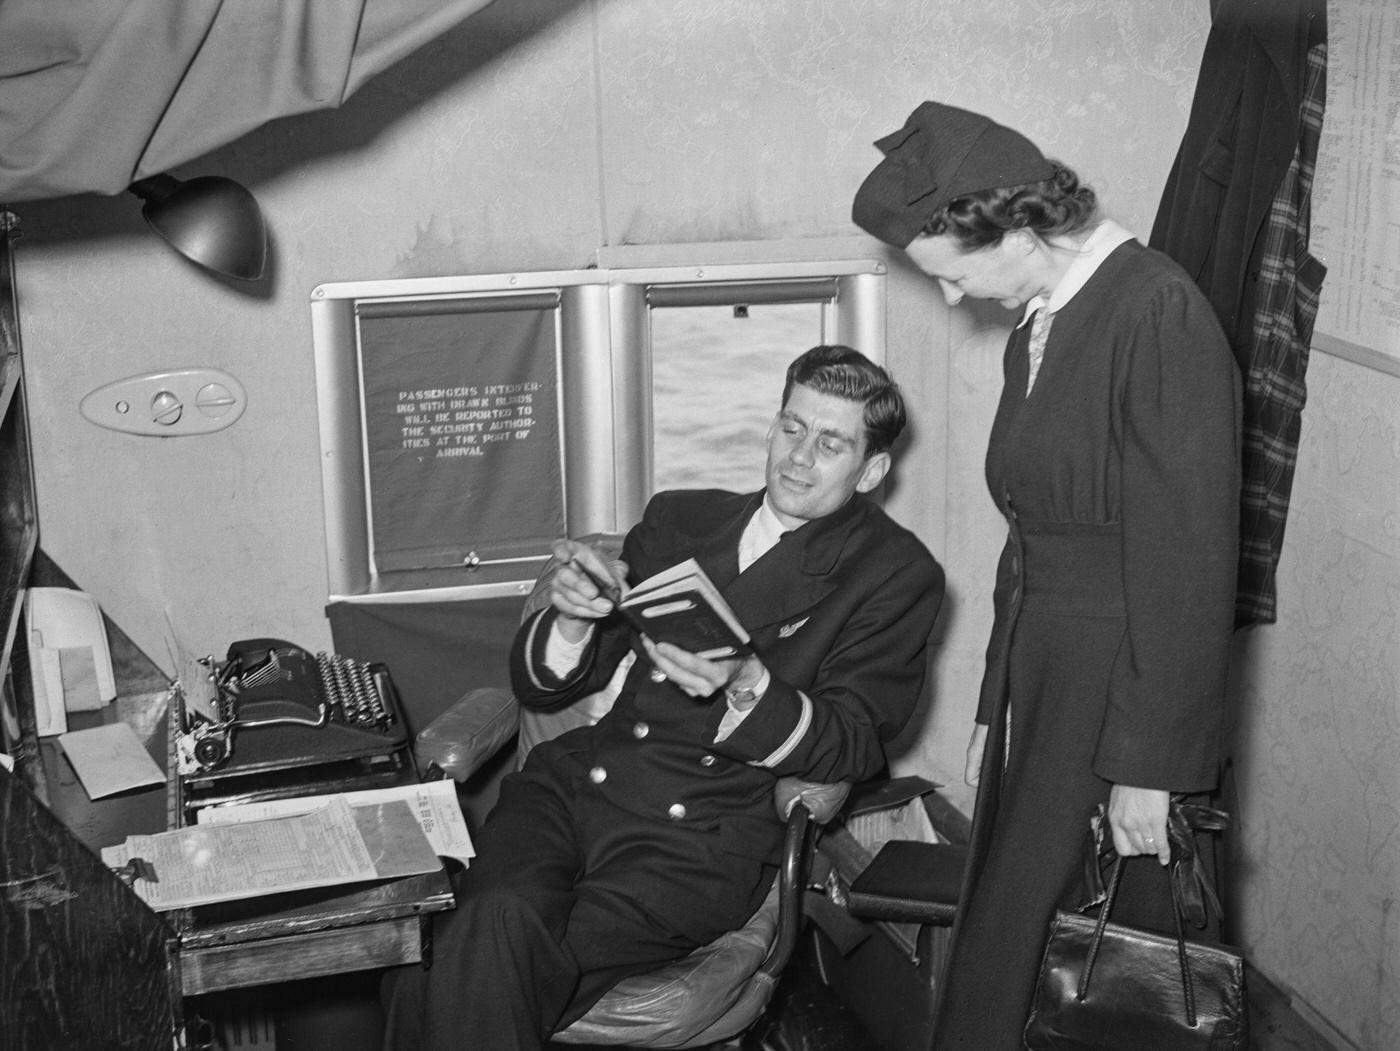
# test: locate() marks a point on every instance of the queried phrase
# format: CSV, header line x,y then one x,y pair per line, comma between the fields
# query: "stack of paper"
x,y
256,849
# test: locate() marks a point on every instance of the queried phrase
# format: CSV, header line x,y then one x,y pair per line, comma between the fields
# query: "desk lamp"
x,y
210,220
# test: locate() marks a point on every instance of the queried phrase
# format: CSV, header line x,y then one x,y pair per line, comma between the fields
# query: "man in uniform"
x,y
626,844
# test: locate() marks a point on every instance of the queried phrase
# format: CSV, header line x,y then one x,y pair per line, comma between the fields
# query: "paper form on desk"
x,y
210,863
109,759
433,803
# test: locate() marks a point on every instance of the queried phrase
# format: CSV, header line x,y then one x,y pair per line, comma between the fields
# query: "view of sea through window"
x,y
717,379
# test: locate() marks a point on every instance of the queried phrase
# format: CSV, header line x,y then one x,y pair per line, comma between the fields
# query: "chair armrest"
x,y
469,733
908,882
792,885
823,800
802,805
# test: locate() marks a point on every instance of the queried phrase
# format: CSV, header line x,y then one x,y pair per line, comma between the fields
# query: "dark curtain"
x,y
95,94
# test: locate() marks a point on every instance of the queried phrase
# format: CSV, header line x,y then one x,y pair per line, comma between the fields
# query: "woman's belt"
x,y
1071,568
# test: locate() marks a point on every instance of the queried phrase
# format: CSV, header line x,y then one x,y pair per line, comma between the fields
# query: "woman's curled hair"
x,y
1060,204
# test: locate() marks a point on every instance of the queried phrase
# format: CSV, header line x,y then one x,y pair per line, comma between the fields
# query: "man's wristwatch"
x,y
741,697
745,696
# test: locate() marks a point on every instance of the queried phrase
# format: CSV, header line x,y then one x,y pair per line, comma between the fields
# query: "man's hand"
x,y
585,587
700,676
1138,817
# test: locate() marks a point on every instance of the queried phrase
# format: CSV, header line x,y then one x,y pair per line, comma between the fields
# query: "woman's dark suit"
x,y
1119,478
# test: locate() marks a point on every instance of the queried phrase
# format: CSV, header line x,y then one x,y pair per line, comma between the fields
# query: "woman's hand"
x,y
1138,818
972,774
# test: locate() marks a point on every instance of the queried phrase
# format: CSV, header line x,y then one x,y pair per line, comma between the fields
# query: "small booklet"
x,y
682,606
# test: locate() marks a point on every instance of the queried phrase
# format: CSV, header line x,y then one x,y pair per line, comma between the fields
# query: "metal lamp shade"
x,y
210,220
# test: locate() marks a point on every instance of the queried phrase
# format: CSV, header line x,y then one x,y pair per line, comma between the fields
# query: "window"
x,y
468,421
716,377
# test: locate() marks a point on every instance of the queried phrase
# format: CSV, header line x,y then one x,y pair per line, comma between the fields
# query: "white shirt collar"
x,y
763,531
1097,247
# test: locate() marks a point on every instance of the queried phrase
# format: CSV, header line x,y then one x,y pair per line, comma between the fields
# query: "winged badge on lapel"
x,y
787,631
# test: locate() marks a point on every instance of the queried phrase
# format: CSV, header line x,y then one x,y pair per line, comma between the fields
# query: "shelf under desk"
x,y
308,934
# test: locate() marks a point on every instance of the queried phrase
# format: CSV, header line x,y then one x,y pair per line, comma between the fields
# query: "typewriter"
x,y
272,719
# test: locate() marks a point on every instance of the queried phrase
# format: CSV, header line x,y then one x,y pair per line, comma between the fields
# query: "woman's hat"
x,y
940,154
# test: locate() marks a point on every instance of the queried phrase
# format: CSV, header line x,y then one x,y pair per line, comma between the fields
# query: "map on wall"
x,y
1356,188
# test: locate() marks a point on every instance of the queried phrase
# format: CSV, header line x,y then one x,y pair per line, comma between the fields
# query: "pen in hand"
x,y
607,588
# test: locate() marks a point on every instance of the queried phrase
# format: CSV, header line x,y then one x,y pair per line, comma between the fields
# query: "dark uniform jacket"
x,y
840,612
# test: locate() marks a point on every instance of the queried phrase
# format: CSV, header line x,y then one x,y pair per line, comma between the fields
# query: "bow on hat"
x,y
911,153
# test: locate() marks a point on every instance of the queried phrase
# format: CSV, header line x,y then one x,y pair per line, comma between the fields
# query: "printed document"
x,y
433,803
203,864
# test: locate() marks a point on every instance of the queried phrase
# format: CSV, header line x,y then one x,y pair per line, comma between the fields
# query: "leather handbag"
x,y
1104,986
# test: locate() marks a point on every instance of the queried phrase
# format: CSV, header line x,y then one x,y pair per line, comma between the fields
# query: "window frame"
x,y
603,358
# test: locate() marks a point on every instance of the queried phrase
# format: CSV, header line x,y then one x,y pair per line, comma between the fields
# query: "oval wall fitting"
x,y
169,404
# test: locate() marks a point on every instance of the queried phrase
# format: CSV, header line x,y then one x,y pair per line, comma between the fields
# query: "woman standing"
x,y
1114,458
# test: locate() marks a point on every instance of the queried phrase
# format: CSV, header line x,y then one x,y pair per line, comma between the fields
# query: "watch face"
x,y
740,696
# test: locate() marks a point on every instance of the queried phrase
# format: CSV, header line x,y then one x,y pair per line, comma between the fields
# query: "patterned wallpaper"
x,y
542,130
1318,737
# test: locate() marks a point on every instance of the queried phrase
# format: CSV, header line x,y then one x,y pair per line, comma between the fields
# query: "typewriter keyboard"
x,y
353,691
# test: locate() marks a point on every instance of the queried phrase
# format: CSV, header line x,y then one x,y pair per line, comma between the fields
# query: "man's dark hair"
x,y
1058,205
847,373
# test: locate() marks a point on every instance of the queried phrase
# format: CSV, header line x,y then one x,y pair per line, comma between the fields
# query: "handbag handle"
x,y
1190,883
1188,992
1191,891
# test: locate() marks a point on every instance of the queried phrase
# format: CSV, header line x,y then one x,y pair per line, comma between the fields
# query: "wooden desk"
x,y
255,941
84,964
306,934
